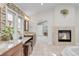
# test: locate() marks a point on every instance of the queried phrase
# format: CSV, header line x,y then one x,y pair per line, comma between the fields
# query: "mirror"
x,y
26,25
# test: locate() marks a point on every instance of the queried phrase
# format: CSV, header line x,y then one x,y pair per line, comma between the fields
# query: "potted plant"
x,y
6,33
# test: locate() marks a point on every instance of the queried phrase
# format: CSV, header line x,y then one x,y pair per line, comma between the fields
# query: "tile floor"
x,y
43,49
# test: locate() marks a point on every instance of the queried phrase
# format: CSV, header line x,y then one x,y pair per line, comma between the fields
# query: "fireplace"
x,y
64,35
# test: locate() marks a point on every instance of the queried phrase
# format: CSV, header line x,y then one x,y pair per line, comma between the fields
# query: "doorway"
x,y
42,31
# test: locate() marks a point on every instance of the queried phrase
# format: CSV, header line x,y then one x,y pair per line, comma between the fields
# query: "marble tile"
x,y
43,49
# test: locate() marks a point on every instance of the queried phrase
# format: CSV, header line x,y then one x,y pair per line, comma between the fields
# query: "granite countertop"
x,y
6,45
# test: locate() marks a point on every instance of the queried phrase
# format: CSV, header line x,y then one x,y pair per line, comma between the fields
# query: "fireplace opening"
x,y
64,35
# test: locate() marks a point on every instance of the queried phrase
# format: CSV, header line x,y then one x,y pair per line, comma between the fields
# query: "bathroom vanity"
x,y
14,51
14,48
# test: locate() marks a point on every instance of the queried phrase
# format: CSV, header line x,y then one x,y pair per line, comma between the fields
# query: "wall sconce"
x,y
27,18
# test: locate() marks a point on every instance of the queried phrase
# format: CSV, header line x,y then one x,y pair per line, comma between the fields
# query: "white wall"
x,y
77,25
67,20
45,15
54,18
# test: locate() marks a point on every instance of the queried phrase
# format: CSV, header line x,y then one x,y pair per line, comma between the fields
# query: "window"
x,y
16,23
19,27
10,19
19,24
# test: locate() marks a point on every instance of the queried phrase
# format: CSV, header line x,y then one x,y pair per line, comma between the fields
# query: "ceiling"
x,y
35,8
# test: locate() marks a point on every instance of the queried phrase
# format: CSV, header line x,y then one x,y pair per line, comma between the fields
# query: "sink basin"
x,y
9,44
6,45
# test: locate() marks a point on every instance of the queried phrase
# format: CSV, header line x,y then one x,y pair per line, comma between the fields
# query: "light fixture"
x,y
64,12
27,18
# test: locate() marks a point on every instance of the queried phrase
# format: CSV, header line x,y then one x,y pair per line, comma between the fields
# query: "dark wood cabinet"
x,y
31,34
23,48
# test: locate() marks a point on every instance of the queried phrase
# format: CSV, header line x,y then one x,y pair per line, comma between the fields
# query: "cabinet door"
x,y
18,53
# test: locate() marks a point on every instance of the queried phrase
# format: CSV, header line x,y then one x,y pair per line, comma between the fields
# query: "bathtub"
x,y
71,51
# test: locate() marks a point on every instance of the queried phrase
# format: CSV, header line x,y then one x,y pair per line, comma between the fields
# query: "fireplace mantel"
x,y
55,35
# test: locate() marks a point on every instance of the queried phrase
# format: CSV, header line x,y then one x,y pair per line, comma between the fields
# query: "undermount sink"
x,y
6,45
9,44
